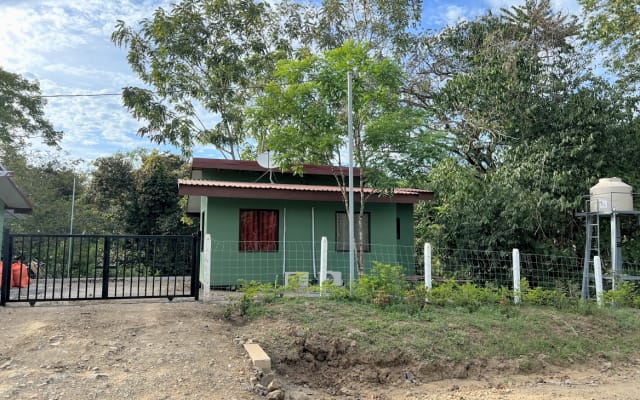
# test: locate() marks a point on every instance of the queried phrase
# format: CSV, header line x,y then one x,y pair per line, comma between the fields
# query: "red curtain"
x,y
259,230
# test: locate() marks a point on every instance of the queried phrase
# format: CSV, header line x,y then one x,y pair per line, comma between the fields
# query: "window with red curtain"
x,y
258,230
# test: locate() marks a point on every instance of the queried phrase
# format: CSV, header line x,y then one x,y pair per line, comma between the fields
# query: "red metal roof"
x,y
256,190
244,165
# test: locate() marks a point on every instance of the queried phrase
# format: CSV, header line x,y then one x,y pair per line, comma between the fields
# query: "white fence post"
x,y
597,269
516,276
427,266
323,261
206,280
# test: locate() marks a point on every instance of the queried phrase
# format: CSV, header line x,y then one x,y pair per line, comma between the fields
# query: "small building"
x,y
266,224
13,201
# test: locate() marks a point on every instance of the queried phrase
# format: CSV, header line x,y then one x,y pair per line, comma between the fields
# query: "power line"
x,y
157,92
80,95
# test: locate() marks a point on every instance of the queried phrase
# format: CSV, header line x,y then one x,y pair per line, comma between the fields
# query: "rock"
x,y
100,376
6,364
266,379
276,395
260,389
274,385
409,376
298,396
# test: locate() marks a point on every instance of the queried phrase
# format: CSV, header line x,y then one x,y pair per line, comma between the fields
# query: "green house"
x,y
12,201
267,224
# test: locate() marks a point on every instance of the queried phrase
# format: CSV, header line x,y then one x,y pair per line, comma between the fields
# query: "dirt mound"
x,y
331,362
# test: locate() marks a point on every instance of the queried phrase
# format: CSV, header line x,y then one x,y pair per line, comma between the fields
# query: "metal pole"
x,y
587,258
350,147
73,201
614,250
324,246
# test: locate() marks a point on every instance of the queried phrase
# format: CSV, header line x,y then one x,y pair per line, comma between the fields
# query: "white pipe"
x,y
323,261
516,276
313,240
427,266
284,244
597,269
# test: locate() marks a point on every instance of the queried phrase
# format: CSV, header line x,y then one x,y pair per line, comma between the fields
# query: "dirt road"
x,y
186,350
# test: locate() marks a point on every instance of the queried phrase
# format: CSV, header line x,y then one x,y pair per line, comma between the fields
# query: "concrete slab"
x,y
258,356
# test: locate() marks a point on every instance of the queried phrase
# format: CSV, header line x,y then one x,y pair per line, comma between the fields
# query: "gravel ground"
x,y
186,350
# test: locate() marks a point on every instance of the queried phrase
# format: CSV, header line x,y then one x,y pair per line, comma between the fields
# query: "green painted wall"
x,y
296,250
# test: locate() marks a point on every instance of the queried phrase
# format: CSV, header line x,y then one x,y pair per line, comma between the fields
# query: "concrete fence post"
x,y
597,269
206,279
427,266
324,246
516,276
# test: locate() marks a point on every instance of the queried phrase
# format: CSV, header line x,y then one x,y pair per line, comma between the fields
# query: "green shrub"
x,y
385,284
625,296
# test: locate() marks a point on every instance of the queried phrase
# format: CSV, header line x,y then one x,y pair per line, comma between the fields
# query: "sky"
x,y
66,46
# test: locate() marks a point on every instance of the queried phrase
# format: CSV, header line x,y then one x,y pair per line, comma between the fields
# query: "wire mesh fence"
x,y
495,268
231,267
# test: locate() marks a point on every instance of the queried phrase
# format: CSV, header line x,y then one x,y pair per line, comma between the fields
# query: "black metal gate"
x,y
86,267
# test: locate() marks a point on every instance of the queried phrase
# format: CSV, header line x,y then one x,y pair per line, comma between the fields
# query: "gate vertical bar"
x,y
106,260
195,266
6,267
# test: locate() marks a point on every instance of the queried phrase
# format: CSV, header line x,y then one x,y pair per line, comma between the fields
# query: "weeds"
x,y
386,287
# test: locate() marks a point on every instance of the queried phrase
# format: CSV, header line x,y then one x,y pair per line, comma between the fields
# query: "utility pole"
x,y
350,147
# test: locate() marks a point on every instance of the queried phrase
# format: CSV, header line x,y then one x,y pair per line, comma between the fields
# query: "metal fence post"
x,y
7,247
195,266
427,266
516,276
106,260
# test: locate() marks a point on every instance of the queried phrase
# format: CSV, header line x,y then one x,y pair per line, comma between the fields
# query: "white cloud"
x,y
454,14
564,6
65,45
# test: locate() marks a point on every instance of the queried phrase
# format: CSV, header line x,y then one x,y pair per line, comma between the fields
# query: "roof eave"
x,y
280,194
12,197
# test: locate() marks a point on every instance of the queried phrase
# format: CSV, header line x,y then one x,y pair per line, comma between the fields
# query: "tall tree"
x,y
530,130
203,60
49,183
302,116
137,193
112,190
615,25
483,80
386,25
22,112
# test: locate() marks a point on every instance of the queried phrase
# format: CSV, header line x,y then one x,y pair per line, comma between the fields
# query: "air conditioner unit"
x,y
301,277
335,277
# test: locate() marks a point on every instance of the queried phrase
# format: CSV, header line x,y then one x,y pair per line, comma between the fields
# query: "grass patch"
x,y
456,334
385,316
